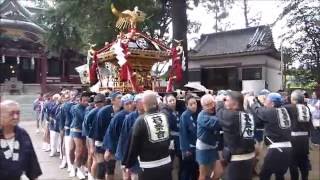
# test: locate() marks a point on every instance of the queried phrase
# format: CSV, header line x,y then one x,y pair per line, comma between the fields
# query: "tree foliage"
x,y
74,24
302,19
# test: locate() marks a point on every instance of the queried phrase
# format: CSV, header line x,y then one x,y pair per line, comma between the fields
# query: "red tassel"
x,y
175,71
93,70
170,85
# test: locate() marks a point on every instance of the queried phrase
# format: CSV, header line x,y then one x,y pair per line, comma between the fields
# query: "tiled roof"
x,y
249,40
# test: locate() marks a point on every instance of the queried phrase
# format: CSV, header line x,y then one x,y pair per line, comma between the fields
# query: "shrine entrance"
x,y
18,67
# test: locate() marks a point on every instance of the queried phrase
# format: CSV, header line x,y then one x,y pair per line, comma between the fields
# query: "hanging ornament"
x,y
18,59
3,59
32,60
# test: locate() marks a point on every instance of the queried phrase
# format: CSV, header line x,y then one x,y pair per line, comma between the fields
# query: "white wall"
x,y
244,60
274,79
270,67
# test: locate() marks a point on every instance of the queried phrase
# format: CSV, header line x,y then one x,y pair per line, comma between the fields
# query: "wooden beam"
x,y
16,52
44,67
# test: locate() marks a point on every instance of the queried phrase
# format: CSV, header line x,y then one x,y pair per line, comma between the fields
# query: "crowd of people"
x,y
166,137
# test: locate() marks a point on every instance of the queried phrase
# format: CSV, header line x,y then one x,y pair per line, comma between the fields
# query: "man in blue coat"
x,y
208,136
76,134
88,124
17,155
169,109
65,122
103,120
110,140
52,110
188,137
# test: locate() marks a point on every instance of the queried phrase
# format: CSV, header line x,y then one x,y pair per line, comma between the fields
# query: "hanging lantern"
x,y
3,59
18,59
32,60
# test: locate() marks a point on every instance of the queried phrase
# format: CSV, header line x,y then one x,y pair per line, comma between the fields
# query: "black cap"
x,y
99,98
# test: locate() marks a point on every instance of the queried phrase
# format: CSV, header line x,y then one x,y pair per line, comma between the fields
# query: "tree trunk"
x,y
245,12
180,27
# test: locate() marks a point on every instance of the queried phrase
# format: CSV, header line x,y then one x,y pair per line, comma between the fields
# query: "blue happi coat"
x,y
66,115
89,122
208,129
110,140
53,113
188,132
125,134
78,113
46,107
103,120
174,124
85,126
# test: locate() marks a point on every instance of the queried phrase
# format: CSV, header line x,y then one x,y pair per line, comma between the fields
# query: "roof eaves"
x,y
12,23
260,52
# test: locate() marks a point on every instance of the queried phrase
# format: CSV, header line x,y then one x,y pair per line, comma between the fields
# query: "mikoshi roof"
x,y
144,50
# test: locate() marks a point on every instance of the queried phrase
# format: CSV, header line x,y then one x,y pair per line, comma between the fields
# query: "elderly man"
x,y
300,116
65,122
208,136
150,142
17,155
277,124
53,112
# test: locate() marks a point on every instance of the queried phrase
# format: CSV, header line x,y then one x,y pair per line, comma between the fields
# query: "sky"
x,y
268,9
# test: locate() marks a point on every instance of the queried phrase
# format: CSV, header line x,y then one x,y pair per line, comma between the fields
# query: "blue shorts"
x,y
67,132
207,157
136,168
258,135
77,135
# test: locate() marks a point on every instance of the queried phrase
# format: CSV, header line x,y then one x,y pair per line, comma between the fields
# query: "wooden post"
x,y
44,69
37,67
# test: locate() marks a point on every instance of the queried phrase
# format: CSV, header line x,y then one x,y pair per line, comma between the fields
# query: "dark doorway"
x,y
24,70
27,70
220,78
8,69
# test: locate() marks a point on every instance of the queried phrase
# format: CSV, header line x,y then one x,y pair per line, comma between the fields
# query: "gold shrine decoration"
x,y
128,18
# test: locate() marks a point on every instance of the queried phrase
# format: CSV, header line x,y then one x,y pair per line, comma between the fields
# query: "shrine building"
x,y
24,57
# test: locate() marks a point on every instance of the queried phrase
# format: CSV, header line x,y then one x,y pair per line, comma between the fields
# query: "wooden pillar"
x,y
37,67
44,69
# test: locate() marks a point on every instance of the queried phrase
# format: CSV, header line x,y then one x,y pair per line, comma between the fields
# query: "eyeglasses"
x,y
12,113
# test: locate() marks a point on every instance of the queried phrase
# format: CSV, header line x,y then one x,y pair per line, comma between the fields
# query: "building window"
x,y
194,75
26,64
53,68
252,74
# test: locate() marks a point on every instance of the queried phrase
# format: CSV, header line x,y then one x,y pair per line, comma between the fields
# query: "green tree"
x,y
74,24
302,19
